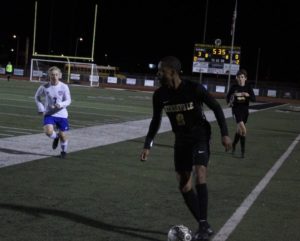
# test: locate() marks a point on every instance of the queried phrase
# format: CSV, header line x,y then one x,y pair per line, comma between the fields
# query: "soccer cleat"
x,y
55,143
243,155
206,227
201,235
204,232
63,155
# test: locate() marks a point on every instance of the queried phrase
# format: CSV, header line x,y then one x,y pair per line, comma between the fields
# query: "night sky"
x,y
136,33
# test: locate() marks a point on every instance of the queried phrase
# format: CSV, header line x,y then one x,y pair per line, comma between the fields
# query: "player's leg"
x,y
243,135
236,139
63,143
201,155
49,123
242,131
183,168
63,126
237,135
49,131
188,193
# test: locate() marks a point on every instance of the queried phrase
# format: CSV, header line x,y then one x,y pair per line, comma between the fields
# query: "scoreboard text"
x,y
214,59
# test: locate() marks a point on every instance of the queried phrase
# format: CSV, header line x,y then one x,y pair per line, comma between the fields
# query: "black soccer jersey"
x,y
184,108
240,101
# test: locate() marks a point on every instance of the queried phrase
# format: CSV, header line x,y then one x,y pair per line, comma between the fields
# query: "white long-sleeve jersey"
x,y
48,95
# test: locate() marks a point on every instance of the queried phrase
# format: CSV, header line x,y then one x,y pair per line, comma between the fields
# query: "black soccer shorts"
x,y
241,115
188,154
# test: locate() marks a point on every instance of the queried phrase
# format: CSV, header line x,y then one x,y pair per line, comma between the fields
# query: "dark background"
x,y
132,34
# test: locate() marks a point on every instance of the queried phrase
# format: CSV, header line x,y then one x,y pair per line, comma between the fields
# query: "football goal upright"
x,y
75,68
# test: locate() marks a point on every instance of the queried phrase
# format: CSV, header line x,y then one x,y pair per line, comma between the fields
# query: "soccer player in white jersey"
x,y
56,97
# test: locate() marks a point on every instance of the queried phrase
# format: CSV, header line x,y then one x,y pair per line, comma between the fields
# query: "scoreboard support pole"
x,y
232,43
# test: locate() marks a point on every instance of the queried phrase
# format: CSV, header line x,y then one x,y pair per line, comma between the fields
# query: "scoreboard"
x,y
213,59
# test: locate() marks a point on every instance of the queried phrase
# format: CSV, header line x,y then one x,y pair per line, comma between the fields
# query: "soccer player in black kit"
x,y
183,101
238,97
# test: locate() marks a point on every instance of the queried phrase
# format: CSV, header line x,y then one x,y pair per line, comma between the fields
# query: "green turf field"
x,y
106,193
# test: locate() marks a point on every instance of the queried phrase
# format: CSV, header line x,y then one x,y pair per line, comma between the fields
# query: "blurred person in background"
x,y
238,98
54,108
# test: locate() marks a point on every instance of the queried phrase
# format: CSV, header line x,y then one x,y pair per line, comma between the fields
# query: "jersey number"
x,y
180,120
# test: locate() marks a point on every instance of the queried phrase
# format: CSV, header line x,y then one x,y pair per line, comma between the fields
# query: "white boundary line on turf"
x,y
238,215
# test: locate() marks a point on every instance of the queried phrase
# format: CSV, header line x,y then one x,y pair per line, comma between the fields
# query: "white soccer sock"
x,y
53,135
64,145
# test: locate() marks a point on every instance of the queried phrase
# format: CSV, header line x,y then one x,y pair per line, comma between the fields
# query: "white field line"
x,y
2,134
240,212
19,149
21,129
19,132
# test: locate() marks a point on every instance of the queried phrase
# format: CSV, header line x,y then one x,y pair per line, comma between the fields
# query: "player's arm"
x,y
37,97
229,95
153,128
66,99
251,94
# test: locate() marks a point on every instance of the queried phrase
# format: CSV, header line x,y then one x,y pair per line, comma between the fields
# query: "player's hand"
x,y
57,106
144,155
41,113
226,142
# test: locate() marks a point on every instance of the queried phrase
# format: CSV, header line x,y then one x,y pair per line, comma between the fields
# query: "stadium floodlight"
x,y
80,39
17,47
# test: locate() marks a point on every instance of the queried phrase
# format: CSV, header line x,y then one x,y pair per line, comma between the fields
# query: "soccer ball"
x,y
179,233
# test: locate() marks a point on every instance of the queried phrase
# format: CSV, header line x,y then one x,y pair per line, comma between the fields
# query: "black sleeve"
x,y
214,105
252,95
155,122
228,96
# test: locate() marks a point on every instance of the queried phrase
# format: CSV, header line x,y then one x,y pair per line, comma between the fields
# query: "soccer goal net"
x,y
72,72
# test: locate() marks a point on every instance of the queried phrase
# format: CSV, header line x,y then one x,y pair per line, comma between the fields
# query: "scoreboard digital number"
x,y
214,59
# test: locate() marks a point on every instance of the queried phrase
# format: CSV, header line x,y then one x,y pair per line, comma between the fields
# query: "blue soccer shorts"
x,y
61,123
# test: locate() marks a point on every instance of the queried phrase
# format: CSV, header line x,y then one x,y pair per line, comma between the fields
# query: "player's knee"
x,y
63,136
200,174
201,179
48,132
185,183
243,131
185,188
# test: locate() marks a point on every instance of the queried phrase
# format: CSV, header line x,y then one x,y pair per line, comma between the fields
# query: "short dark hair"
x,y
242,72
171,62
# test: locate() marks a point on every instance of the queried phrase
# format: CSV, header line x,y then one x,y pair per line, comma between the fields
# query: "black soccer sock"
x,y
203,200
243,143
191,201
236,139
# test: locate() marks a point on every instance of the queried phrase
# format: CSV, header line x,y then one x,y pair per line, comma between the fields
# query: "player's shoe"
x,y
243,155
55,143
204,232
201,235
206,227
63,155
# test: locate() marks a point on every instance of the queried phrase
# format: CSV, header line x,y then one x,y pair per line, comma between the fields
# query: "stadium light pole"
x,y
106,59
17,47
80,39
232,43
204,33
257,67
